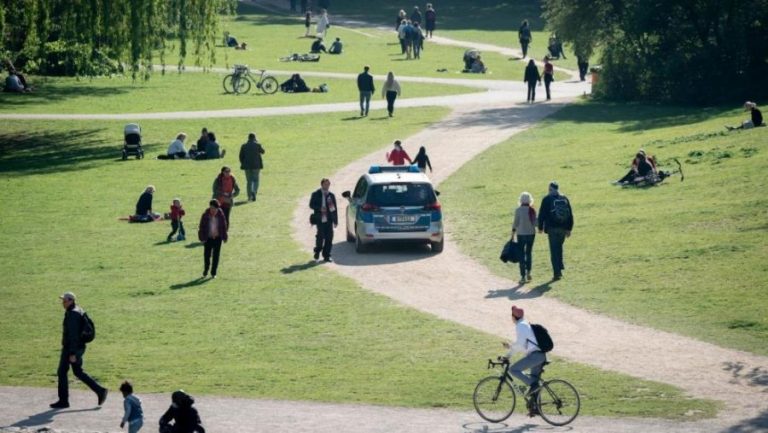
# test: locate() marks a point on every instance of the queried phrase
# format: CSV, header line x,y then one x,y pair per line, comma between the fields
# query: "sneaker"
x,y
556,277
59,405
181,238
522,280
103,396
327,259
213,276
205,274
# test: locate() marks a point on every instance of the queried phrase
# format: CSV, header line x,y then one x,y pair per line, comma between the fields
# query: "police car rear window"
x,y
401,194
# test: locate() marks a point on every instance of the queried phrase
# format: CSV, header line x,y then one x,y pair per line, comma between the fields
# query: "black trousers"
x,y
547,82
226,210
391,96
177,225
77,368
212,248
531,91
324,239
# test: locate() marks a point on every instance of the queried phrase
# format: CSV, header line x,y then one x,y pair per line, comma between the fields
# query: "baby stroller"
x,y
132,142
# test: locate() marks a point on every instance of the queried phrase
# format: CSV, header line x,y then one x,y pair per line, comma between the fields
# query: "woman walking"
x,y
524,226
430,16
225,189
390,91
549,75
422,160
531,77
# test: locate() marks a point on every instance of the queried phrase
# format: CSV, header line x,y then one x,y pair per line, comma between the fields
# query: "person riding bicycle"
x,y
534,358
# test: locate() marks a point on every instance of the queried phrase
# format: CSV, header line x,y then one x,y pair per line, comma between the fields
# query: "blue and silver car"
x,y
394,203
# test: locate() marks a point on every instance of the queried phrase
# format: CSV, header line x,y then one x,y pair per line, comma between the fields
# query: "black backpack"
x,y
561,210
88,332
542,336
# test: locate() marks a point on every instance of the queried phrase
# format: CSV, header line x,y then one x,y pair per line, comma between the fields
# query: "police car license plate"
x,y
403,219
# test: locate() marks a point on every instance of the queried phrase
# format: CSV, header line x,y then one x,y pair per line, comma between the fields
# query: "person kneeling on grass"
x,y
755,121
144,212
295,84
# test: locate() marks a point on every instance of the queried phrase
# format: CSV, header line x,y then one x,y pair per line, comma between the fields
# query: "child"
x,y
307,22
176,213
134,415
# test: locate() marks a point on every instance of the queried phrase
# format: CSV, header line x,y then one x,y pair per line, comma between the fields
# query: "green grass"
x,y
685,257
377,48
181,92
273,325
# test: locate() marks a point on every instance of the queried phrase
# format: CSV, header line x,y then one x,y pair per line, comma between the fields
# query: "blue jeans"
x,y
556,241
252,181
534,361
135,426
365,102
526,250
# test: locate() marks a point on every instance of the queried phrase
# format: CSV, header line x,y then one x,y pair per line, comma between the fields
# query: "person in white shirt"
x,y
176,148
533,358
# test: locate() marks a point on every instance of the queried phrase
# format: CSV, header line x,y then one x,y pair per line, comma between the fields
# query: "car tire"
x,y
437,247
350,238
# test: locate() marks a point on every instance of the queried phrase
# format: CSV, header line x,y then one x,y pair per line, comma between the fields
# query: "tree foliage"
x,y
91,37
691,51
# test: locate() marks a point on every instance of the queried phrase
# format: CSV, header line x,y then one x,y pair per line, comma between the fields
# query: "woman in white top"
x,y
390,90
322,24
524,226
176,148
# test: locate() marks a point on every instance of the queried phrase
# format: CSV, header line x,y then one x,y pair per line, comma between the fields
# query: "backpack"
x,y
542,336
88,332
561,210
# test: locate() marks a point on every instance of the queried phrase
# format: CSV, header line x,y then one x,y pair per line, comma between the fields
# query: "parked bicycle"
x,y
557,401
240,81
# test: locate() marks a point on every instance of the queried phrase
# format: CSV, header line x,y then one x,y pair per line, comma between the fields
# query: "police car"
x,y
394,203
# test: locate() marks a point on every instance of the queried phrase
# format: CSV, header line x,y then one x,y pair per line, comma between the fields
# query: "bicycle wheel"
x,y
494,399
241,85
227,83
269,85
559,402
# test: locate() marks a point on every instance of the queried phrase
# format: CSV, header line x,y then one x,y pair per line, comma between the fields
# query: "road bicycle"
x,y
557,401
240,81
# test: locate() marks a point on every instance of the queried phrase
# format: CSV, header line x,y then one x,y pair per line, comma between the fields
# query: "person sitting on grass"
x,y
317,46
755,121
478,67
14,83
176,149
144,212
212,148
183,415
642,166
336,47
295,84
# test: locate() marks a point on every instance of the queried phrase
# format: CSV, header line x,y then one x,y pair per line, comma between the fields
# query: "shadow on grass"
x,y
193,245
346,119
49,92
47,152
193,283
46,417
300,267
516,293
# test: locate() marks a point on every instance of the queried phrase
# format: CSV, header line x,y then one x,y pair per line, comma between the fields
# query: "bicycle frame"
x,y
511,381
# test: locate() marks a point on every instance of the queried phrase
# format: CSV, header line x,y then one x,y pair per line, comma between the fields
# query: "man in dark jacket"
x,y
251,163
366,88
212,231
323,203
72,350
556,220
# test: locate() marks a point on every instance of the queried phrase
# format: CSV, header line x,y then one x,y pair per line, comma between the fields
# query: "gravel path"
x,y
454,287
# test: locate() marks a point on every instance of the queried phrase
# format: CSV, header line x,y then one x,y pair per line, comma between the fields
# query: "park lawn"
x,y
684,257
377,48
173,91
273,325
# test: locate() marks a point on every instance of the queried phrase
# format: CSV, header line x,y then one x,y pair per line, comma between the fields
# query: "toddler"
x,y
134,415
176,213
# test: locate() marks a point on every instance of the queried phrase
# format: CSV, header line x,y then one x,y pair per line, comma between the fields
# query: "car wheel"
x,y
350,238
437,247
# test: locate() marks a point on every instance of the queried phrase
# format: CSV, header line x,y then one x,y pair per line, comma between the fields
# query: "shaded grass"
x,y
273,325
692,253
173,91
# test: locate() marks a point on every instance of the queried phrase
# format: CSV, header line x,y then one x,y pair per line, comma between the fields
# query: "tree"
x,y
690,51
90,37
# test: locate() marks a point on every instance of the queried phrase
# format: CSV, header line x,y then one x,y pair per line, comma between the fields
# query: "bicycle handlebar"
x,y
500,361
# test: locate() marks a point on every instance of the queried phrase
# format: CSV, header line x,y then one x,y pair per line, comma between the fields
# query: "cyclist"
x,y
533,359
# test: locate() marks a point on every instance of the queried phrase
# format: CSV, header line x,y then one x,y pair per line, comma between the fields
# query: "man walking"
x,y
556,220
366,88
251,163
323,203
212,231
72,350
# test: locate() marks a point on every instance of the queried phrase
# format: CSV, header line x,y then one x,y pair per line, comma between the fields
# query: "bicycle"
x,y
557,401
240,81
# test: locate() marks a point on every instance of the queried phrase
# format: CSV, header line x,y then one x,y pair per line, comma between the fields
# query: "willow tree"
x,y
90,37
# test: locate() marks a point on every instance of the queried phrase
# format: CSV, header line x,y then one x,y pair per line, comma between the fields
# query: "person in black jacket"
x,y
556,220
252,164
756,117
422,160
72,350
185,417
531,77
144,205
318,46
326,218
366,88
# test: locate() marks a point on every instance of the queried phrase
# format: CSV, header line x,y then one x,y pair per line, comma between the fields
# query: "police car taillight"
x,y
433,206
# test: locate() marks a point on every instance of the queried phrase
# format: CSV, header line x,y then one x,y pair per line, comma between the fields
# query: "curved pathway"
x,y
454,287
